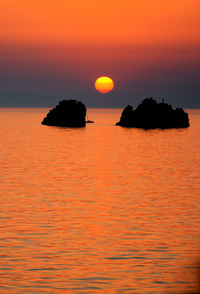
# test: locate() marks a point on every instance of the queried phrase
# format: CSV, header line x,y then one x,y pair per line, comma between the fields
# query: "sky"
x,y
56,49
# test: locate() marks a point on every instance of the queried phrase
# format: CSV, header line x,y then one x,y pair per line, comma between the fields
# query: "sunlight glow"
x,y
104,84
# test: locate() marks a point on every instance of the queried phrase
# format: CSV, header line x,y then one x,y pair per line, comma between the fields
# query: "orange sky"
x,y
100,22
59,47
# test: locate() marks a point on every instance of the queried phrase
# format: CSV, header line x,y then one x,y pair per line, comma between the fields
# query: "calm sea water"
x,y
102,209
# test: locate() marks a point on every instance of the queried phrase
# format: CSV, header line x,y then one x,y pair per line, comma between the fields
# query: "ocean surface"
x,y
101,209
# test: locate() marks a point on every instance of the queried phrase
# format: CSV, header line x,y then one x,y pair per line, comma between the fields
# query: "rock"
x,y
68,113
89,121
152,115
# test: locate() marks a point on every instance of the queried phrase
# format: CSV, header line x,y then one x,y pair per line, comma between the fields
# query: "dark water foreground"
x,y
100,209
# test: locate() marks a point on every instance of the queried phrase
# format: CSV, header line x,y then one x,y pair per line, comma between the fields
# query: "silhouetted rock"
x,y
152,115
68,113
89,121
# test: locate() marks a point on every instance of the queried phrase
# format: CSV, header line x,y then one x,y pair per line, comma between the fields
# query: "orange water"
x,y
102,209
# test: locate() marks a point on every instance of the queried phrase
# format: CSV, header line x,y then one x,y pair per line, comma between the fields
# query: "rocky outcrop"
x,y
152,115
68,113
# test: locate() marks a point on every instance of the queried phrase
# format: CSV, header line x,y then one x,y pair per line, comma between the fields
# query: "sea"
x,y
100,209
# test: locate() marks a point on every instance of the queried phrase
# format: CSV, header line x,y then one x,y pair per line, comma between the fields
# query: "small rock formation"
x,y
89,121
68,113
152,115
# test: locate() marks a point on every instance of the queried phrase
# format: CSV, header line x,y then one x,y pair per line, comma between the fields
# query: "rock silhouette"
x,y
89,121
152,115
68,113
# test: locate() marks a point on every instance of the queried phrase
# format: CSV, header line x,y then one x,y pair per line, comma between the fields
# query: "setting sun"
x,y
104,84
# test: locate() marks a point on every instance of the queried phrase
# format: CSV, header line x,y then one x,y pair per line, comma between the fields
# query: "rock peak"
x,y
68,113
152,115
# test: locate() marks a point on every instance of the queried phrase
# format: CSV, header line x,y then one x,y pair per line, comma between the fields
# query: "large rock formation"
x,y
68,113
152,115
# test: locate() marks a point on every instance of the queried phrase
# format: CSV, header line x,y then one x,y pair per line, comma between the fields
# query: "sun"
x,y
104,84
